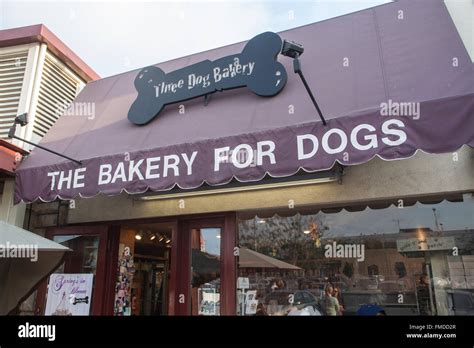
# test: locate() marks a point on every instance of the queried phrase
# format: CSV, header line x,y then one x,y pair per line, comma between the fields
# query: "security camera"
x,y
22,119
292,49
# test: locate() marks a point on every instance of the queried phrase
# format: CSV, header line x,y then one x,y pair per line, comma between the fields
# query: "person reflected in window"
x,y
330,303
338,296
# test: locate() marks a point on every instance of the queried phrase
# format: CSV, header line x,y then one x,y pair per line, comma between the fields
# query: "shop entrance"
x,y
205,278
144,263
177,266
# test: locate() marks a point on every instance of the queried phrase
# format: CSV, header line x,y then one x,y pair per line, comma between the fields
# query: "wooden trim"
x,y
181,269
100,277
229,266
173,285
111,270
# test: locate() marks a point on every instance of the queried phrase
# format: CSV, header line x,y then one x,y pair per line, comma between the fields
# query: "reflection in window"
x,y
83,258
418,260
205,266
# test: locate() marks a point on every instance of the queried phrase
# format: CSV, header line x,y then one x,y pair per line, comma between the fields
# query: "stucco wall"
x,y
423,174
14,215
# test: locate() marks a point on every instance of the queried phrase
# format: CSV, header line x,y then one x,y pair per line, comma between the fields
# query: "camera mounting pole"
x,y
22,121
297,69
295,50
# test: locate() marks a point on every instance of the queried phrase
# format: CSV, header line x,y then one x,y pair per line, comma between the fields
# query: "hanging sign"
x,y
256,67
69,294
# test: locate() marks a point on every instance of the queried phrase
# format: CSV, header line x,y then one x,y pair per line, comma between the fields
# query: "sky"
x,y
118,36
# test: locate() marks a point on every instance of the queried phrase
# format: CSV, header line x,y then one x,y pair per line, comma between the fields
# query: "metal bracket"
x,y
207,99
339,173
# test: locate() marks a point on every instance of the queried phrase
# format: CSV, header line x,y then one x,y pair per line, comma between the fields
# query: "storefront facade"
x,y
362,187
171,221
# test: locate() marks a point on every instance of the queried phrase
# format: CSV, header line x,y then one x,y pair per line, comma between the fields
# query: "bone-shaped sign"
x,y
80,300
256,67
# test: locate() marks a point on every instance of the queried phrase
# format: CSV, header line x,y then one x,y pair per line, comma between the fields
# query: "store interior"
x,y
143,274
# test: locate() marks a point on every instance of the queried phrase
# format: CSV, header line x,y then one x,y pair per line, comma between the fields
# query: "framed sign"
x,y
69,294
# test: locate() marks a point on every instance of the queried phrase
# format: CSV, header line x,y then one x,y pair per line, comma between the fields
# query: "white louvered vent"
x,y
58,87
12,71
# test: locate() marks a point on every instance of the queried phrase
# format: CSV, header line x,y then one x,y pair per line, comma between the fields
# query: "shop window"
x,y
418,260
81,260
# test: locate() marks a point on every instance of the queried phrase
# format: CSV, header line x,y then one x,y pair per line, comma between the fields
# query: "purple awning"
x,y
365,69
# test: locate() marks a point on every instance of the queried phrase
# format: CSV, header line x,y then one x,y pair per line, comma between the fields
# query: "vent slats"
x,y
58,87
12,71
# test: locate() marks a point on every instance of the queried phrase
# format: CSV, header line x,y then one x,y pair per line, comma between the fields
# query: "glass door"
x,y
203,271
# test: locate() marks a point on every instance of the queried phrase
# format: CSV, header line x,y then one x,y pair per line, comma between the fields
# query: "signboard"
x,y
69,294
243,283
256,67
426,244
